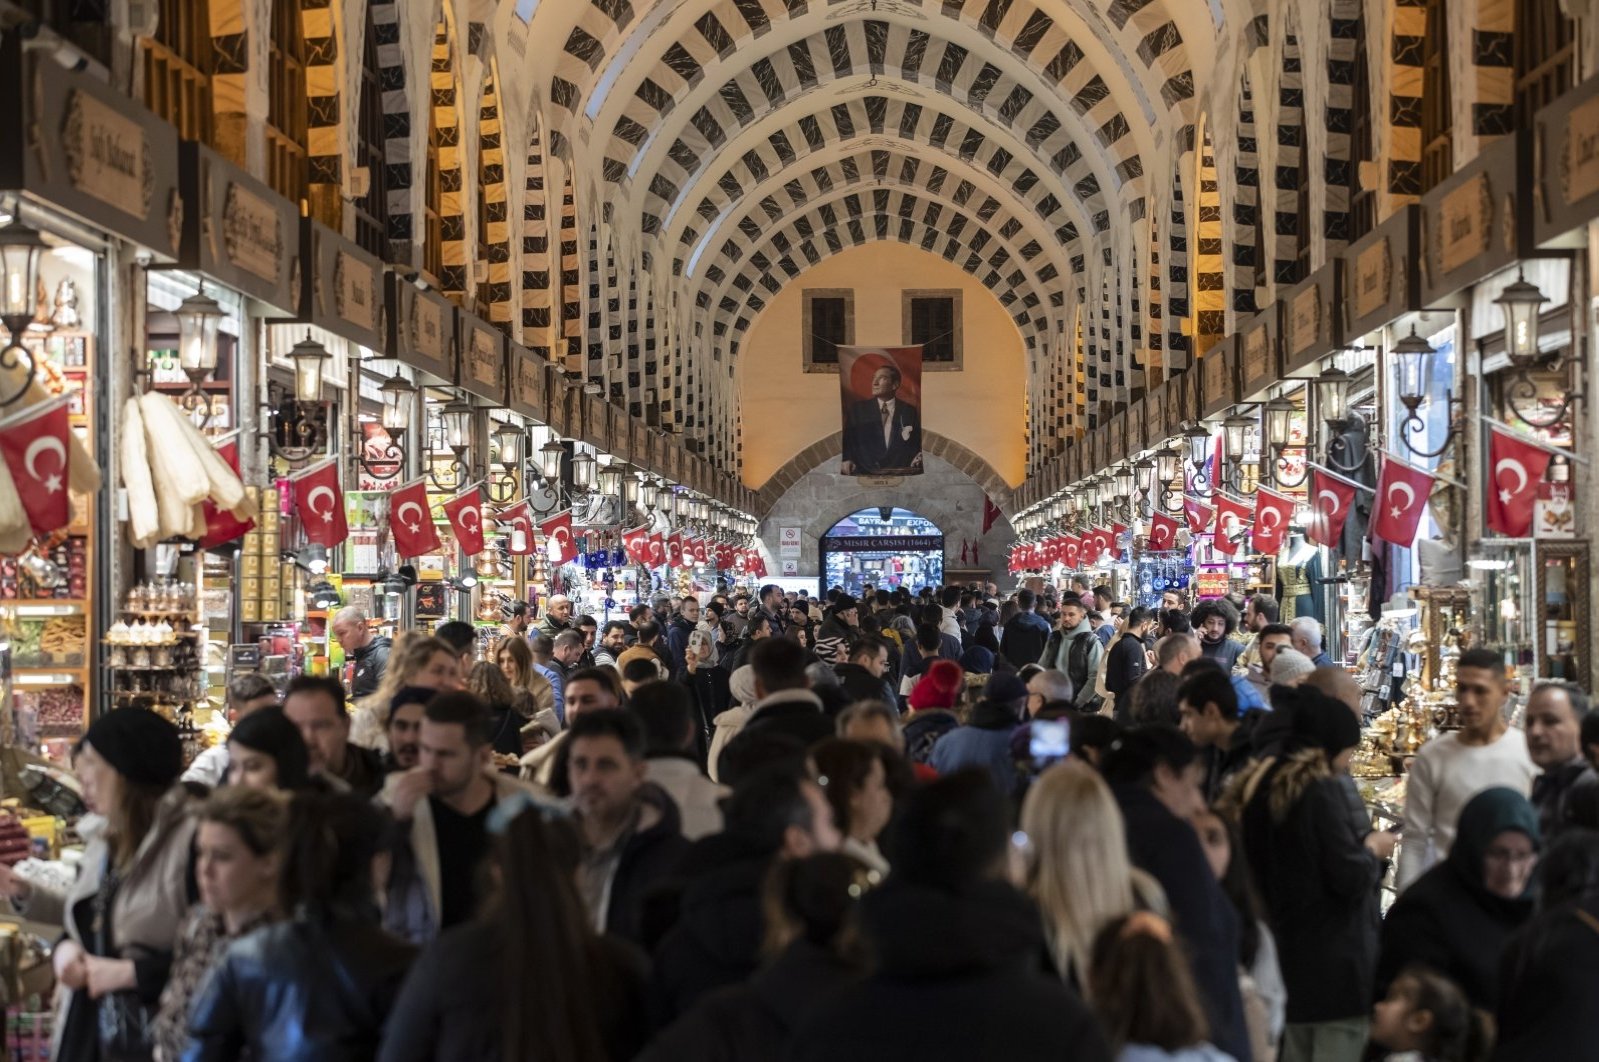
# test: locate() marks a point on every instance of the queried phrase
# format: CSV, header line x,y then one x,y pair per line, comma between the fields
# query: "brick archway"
x,y
940,446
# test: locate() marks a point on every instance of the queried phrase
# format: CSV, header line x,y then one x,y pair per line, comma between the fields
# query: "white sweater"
x,y
1446,774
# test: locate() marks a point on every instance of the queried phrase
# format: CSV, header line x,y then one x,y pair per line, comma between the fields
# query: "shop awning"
x,y
237,231
421,328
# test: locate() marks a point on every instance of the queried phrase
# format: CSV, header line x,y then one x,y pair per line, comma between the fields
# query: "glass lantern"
x,y
508,445
550,456
1522,303
198,318
1332,396
397,394
1414,356
308,357
21,247
456,418
583,470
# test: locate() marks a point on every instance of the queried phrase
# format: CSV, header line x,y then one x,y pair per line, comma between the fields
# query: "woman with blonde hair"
x,y
1079,872
415,659
514,658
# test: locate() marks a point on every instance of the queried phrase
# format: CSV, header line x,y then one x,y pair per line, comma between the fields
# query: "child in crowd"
x,y
1426,1018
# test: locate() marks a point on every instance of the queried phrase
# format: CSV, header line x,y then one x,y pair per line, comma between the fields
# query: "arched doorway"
x,y
883,546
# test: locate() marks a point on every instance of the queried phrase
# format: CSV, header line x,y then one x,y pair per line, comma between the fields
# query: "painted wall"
x,y
785,409
944,494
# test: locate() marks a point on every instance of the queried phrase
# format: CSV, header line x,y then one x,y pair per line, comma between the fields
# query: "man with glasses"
x,y
1454,767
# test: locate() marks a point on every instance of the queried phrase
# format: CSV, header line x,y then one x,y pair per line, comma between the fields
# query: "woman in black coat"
x,y
816,901
1458,917
707,683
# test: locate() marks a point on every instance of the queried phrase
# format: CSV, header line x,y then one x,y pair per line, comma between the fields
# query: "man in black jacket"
x,y
1128,658
958,972
631,833
370,652
1155,773
862,676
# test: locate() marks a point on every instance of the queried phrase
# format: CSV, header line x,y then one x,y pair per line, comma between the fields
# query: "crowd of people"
x,y
952,824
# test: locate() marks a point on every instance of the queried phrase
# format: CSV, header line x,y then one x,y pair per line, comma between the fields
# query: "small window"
x,y
932,320
1437,128
829,320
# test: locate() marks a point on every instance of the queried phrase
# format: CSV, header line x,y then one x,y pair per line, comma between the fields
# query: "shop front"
x,y
886,547
87,185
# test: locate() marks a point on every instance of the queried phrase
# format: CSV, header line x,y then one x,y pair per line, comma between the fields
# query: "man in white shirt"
x,y
1452,768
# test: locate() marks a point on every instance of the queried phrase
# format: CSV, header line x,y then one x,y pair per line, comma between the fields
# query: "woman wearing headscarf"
x,y
122,915
1458,916
741,698
708,684
1317,879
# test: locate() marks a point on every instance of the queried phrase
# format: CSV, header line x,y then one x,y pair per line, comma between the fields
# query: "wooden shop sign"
x,y
421,328
1565,166
527,382
239,231
482,367
341,287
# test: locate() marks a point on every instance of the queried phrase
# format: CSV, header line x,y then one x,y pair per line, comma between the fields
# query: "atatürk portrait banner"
x,y
881,392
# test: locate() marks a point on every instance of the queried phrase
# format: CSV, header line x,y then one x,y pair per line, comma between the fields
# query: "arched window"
x,y
1437,151
286,114
177,68
1545,43
372,209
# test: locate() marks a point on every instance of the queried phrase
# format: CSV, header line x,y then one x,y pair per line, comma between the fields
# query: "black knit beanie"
x,y
142,746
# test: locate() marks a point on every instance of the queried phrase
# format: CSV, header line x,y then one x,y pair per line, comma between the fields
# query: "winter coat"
x,y
1167,848
728,726
415,890
964,969
707,686
834,640
1551,793
651,853
1025,636
860,684
716,940
923,731
677,635
1546,984
1447,920
1318,882
755,1020
984,742
1127,664
148,909
698,799
370,661
796,712
315,989
452,1006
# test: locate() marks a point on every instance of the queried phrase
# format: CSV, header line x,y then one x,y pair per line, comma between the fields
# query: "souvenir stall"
x,y
1162,557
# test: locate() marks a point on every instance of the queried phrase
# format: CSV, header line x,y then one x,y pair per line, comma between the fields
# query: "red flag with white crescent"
x,y
517,523
220,525
1199,515
674,550
1402,492
657,552
557,531
1230,518
1072,551
1515,468
1162,532
636,544
724,556
411,521
1272,513
319,501
702,551
757,564
1331,499
35,446
1088,548
465,513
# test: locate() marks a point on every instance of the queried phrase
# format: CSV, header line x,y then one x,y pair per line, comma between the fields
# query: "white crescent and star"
x,y
1275,521
413,524
310,503
52,483
1332,510
1410,498
477,520
1520,471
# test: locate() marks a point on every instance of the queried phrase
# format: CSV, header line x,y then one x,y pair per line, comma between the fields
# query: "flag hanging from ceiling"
x,y
990,513
320,503
557,531
518,524
1331,499
465,513
411,521
1516,466
1230,517
881,392
1402,492
1162,532
1272,513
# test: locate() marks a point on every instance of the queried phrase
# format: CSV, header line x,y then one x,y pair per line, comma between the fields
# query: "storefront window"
x,y
885,547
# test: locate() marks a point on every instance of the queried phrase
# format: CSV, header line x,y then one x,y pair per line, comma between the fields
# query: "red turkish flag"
x,y
1072,551
702,551
1108,537
757,564
636,544
557,531
1199,515
1162,532
1515,469
1230,517
991,512
465,513
1272,513
35,446
1402,493
1331,499
220,525
411,521
657,553
674,550
724,556
518,519
320,504
1088,551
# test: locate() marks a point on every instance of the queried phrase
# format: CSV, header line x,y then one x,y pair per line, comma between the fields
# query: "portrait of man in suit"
x,y
883,433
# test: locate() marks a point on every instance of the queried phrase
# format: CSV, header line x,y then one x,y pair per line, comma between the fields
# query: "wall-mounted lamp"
x,y
1415,356
21,247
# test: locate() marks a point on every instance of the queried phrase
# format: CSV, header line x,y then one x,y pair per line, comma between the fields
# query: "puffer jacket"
x,y
315,989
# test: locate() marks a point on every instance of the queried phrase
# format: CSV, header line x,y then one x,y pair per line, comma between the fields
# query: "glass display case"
x,y
1563,638
1504,611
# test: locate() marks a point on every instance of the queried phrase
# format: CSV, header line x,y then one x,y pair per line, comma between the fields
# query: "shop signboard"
x,y
72,142
1312,327
1257,353
1218,371
1189,385
1471,222
237,230
481,368
341,287
596,421
1381,276
528,396
1566,136
1096,448
638,446
421,329
1116,439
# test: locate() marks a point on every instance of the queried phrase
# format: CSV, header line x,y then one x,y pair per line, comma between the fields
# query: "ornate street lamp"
x,y
21,247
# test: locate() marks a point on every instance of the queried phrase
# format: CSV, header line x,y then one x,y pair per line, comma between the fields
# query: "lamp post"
x,y
1416,356
506,443
398,394
1278,418
455,422
1522,302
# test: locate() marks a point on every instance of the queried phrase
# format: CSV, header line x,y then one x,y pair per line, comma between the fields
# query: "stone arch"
x,y
1285,170
325,118
569,339
940,446
1179,284
593,310
538,290
398,160
1339,180
444,83
1241,228
493,223
1210,275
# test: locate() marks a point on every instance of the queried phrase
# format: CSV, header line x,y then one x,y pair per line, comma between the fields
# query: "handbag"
x,y
123,1023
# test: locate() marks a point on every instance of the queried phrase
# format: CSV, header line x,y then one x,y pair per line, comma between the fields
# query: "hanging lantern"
x,y
398,393
1122,477
198,317
1332,396
1144,476
1198,445
456,418
609,478
308,357
550,456
1522,303
1235,430
1415,356
21,247
630,491
1278,417
583,471
1166,465
507,438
